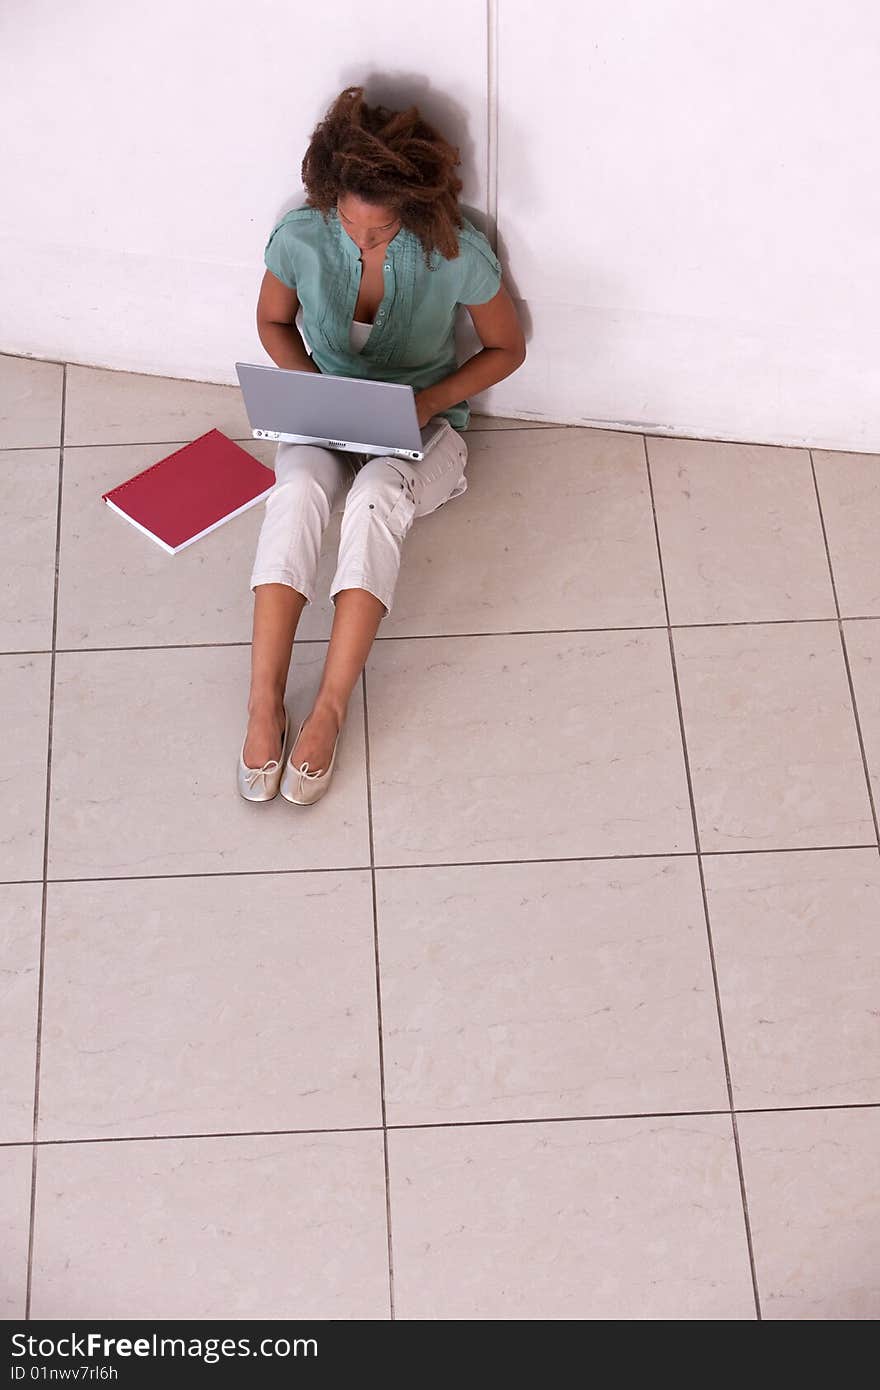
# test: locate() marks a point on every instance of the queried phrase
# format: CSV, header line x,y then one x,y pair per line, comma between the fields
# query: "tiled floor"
x,y
563,1003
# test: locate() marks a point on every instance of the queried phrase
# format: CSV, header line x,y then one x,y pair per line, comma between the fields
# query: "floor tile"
x,y
849,490
24,700
28,522
15,1215
273,1226
771,736
814,1207
863,649
118,588
795,940
600,1219
105,407
233,1003
557,531
112,407
146,746
30,403
20,912
526,991
740,532
525,747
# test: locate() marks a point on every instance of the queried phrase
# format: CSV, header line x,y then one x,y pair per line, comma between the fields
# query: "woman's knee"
x,y
308,466
385,490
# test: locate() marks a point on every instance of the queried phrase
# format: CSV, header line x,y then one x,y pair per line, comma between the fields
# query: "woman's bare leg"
x,y
277,611
355,624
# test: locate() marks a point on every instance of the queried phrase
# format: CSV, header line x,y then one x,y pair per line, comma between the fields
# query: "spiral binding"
x,y
120,487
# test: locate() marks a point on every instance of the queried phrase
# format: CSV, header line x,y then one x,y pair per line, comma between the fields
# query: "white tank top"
x,y
360,332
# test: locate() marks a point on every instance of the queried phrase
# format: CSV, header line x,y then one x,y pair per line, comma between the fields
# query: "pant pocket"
x,y
400,517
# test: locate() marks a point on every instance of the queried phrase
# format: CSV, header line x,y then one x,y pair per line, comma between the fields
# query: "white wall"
x,y
684,195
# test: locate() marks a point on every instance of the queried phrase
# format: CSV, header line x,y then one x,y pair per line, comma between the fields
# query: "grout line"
x,y
446,864
709,941
41,975
444,1124
378,1000
594,427
449,636
250,439
842,635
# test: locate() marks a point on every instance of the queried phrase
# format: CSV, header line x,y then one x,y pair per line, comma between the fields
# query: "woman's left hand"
x,y
425,407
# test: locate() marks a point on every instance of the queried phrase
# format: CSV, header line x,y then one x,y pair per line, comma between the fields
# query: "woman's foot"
x,y
265,732
315,744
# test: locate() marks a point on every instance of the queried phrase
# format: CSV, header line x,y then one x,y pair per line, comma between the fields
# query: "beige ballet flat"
x,y
261,783
301,786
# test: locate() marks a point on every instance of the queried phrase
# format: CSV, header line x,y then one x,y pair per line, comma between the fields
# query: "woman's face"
x,y
368,225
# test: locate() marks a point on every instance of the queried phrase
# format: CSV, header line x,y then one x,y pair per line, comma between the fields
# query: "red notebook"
x,y
193,491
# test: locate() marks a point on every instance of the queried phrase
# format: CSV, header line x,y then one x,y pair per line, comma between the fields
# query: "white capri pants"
x,y
379,498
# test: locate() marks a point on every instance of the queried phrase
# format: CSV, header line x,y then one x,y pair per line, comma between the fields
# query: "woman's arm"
x,y
276,314
504,349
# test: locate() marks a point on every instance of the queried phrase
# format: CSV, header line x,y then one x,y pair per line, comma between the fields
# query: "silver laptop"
x,y
341,412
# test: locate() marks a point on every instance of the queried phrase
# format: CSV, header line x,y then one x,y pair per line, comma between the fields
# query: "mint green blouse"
x,y
412,339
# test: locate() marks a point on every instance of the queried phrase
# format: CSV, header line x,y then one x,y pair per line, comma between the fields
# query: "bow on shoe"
x,y
305,775
252,773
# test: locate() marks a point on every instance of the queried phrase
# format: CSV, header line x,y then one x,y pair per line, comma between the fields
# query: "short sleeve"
x,y
278,258
481,278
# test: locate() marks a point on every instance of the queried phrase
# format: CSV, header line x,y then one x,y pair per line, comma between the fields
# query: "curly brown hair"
x,y
388,158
